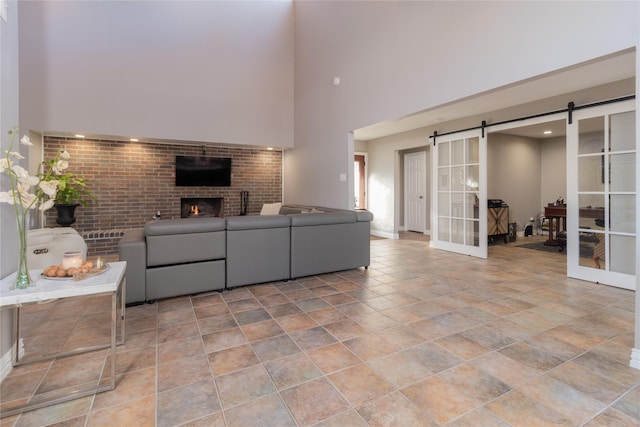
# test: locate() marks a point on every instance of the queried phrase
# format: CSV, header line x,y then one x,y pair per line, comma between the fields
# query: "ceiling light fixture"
x,y
269,148
548,132
134,139
79,136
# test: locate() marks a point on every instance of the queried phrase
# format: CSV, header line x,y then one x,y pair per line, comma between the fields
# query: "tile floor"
x,y
422,338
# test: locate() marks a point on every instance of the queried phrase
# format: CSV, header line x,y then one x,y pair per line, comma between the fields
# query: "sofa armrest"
x,y
132,248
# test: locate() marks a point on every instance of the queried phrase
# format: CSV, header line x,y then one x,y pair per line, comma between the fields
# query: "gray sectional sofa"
x,y
187,256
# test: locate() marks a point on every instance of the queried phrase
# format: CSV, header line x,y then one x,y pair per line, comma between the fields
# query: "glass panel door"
x,y
601,202
459,194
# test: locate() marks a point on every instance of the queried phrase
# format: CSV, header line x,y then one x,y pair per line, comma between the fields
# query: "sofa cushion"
x,y
165,227
326,248
177,241
184,279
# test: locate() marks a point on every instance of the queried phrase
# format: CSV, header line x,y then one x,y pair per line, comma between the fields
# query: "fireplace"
x,y
201,207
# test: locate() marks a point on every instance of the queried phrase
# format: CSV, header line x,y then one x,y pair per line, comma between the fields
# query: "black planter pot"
x,y
66,214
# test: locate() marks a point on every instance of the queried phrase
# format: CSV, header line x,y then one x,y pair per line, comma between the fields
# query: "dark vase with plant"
x,y
72,189
66,214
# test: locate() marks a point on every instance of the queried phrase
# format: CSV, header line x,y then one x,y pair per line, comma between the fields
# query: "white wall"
x,y
553,176
8,119
513,175
397,58
214,71
360,146
385,178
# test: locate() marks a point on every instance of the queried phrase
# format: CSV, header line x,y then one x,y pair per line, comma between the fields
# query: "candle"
x,y
72,259
99,264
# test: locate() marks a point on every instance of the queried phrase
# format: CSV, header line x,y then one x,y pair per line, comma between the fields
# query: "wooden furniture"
x,y
557,216
112,281
595,213
498,222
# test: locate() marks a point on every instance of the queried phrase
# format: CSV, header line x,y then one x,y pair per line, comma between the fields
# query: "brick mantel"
x,y
133,181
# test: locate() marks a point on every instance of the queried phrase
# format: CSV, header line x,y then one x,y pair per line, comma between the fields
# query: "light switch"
x,y
343,177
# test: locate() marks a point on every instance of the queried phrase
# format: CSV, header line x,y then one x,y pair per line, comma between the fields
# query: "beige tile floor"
x,y
422,338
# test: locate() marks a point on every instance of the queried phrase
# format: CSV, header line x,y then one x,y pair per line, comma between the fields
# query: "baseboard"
x,y
385,234
635,358
6,362
425,232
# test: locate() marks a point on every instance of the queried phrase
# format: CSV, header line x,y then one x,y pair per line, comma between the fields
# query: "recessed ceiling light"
x,y
548,132
134,139
79,136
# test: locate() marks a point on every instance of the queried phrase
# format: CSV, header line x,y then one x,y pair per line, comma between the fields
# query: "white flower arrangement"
x,y
21,182
25,192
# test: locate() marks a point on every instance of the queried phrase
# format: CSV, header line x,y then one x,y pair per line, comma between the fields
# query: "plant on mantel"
x,y
72,188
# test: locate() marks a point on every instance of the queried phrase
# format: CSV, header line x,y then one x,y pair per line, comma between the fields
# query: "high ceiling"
x,y
605,78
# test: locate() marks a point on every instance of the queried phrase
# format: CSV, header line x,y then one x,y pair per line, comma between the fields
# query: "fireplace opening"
x,y
201,207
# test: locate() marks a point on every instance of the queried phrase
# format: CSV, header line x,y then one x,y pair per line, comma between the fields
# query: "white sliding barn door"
x,y
459,193
601,196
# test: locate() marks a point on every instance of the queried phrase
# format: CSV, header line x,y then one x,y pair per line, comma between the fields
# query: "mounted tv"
x,y
192,171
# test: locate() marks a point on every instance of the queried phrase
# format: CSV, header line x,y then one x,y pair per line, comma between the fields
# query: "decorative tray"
x,y
80,276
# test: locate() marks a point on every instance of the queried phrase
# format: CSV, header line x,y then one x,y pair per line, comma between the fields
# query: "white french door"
x,y
459,193
601,195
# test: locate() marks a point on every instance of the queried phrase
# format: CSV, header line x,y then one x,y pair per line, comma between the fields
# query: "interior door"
x,y
459,193
360,181
414,191
601,195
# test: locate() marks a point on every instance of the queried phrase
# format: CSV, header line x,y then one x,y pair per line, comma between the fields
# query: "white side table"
x,y
112,281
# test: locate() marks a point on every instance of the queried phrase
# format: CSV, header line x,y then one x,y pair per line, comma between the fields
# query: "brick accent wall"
x,y
134,180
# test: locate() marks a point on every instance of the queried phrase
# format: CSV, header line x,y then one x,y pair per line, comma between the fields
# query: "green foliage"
x,y
72,189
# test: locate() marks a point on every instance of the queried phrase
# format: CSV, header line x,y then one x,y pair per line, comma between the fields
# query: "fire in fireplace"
x,y
201,207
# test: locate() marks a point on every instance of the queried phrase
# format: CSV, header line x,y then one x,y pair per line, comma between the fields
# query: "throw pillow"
x,y
271,209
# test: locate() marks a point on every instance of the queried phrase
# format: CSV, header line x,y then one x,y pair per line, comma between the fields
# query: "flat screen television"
x,y
203,171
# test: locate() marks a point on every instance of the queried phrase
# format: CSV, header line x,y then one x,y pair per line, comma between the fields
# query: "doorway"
x,y
598,163
360,180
